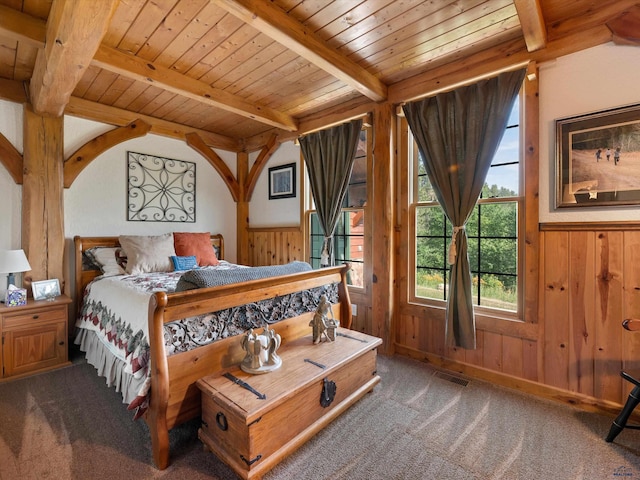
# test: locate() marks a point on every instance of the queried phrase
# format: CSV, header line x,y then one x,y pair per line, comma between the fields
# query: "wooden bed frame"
x,y
175,398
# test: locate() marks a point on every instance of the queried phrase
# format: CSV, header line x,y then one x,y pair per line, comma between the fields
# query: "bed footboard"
x,y
175,397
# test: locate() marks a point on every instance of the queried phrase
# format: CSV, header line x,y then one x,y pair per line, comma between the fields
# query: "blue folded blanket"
x,y
203,278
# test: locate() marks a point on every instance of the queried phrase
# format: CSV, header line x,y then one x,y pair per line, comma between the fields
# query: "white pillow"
x,y
107,259
148,253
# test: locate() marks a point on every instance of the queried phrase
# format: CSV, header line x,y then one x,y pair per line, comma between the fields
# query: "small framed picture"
x,y
46,289
282,181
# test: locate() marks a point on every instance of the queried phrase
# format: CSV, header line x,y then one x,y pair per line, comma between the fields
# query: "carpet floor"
x,y
416,424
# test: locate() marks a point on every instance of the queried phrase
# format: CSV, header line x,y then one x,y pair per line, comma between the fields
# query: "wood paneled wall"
x,y
590,282
572,352
275,245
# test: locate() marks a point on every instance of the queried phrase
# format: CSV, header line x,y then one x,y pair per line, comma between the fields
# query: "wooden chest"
x,y
253,434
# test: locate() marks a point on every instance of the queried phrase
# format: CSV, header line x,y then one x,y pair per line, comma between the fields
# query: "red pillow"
x,y
198,244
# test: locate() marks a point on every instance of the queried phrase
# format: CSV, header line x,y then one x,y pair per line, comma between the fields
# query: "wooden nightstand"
x,y
34,337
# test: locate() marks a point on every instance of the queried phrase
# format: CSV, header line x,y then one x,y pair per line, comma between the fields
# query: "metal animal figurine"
x,y
261,356
322,324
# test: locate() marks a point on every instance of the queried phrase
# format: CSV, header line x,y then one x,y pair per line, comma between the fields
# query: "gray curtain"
x,y
458,134
329,156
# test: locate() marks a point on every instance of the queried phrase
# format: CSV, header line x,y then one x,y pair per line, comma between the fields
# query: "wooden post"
x,y
242,211
383,184
42,196
531,194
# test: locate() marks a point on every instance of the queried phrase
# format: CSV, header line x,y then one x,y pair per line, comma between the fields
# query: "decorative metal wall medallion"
x,y
160,189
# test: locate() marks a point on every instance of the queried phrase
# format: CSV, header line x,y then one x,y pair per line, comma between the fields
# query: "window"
x,y
493,230
349,233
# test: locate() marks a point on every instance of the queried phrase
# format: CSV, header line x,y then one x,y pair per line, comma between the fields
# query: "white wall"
x,y
282,212
10,193
596,79
96,203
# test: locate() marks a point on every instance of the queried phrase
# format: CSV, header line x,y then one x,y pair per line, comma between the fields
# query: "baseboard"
x,y
580,401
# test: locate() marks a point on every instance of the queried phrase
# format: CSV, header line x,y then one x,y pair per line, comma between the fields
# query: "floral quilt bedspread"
x,y
116,309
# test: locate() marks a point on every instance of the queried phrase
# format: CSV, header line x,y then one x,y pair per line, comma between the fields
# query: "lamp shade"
x,y
13,261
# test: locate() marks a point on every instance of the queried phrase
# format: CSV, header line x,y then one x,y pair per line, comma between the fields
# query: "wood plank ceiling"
x,y
235,70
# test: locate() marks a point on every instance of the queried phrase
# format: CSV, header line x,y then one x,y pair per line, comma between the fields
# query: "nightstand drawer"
x,y
45,314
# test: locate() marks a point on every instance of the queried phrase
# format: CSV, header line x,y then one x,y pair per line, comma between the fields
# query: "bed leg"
x,y
159,443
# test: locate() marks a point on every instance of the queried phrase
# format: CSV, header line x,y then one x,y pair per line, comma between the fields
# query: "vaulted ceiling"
x,y
238,71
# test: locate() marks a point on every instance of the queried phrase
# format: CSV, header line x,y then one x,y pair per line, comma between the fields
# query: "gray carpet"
x,y
417,424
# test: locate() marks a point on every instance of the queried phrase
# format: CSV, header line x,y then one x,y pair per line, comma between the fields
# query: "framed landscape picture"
x,y
598,159
282,181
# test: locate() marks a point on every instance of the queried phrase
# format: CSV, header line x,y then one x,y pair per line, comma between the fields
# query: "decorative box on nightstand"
x,y
15,297
34,337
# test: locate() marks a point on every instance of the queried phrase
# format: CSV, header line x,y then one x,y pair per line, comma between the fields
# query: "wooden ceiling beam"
x,y
589,19
141,70
345,112
532,23
275,23
116,116
20,26
11,158
492,61
81,158
626,27
13,91
74,31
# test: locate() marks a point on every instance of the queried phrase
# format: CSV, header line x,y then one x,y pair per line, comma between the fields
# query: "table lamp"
x,y
12,262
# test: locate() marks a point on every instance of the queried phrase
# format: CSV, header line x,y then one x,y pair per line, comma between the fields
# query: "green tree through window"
x,y
492,230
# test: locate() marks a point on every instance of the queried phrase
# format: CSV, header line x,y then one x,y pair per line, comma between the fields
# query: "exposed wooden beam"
x,y
381,214
626,27
195,142
117,116
589,19
42,197
580,39
11,158
508,56
22,27
141,70
266,152
242,212
82,157
74,31
13,91
531,155
335,115
532,22
275,23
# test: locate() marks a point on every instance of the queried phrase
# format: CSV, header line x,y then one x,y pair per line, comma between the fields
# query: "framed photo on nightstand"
x,y
46,289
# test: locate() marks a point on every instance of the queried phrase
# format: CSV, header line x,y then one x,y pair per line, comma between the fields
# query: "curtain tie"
x,y
452,246
324,256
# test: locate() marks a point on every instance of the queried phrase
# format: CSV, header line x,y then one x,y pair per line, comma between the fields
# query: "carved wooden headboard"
x,y
82,244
